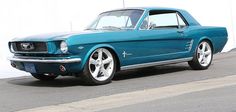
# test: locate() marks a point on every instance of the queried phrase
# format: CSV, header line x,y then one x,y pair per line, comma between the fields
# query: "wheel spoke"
x,y
104,71
100,54
108,60
204,60
208,52
203,46
96,71
199,50
200,57
92,61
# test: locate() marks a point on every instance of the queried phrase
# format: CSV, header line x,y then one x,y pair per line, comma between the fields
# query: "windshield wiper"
x,y
111,27
91,29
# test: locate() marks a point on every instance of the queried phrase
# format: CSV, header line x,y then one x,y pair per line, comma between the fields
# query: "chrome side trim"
x,y
191,45
155,63
43,60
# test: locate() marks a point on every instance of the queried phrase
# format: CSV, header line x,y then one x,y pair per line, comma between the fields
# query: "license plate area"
x,y
30,67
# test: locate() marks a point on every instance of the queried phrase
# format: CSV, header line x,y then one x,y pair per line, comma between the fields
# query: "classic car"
x,y
117,40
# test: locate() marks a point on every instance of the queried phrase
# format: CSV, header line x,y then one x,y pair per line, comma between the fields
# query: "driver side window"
x,y
157,20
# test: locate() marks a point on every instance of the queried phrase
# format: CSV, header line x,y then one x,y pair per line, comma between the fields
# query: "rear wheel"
x,y
100,67
45,77
203,56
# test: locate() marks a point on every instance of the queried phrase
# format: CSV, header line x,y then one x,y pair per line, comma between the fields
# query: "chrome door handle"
x,y
180,31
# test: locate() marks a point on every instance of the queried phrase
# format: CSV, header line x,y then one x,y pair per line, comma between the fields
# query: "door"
x,y
163,38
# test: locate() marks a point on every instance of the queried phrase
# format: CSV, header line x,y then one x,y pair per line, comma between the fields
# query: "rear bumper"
x,y
41,65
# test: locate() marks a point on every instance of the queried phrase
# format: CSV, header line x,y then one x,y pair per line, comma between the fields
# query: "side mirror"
x,y
152,26
144,25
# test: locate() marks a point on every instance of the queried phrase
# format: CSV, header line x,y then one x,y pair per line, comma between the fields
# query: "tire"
x,y
100,67
203,56
45,77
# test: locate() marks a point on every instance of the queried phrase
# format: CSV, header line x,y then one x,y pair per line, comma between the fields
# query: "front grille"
x,y
29,47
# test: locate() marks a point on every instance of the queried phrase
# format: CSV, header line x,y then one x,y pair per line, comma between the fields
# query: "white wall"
x,y
233,21
19,18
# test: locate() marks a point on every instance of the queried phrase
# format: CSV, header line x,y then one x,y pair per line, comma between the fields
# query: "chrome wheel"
x,y
204,54
101,64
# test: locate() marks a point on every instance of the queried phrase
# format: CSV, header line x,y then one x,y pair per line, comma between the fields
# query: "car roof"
x,y
148,8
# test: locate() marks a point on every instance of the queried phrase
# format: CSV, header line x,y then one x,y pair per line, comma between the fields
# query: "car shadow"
x,y
59,82
69,81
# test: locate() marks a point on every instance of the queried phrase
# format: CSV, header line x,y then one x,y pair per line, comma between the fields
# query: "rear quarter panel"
x,y
216,35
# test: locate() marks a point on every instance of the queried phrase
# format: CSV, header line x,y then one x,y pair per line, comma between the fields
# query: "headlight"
x,y
11,48
63,47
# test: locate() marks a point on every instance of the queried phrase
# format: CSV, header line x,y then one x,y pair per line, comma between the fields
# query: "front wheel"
x,y
203,56
100,67
44,77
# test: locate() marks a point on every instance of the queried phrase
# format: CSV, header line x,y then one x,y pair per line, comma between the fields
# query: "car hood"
x,y
58,36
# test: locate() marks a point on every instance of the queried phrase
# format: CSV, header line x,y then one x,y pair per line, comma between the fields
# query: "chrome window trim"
x,y
156,63
183,19
177,20
178,16
143,20
138,22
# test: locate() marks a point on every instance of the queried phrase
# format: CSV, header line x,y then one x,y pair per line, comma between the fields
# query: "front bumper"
x,y
47,64
44,60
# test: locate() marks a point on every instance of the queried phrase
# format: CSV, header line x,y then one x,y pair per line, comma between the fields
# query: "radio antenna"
x,y
123,3
71,26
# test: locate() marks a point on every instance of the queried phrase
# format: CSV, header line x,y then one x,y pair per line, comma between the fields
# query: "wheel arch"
x,y
108,47
210,42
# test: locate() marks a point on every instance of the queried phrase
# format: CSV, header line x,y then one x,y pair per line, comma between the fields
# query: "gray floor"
x,y
216,100
26,92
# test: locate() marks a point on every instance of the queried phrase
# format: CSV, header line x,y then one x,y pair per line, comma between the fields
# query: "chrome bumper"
x,y
43,60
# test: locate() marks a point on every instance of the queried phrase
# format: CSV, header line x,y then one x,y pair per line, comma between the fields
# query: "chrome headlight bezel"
x,y
11,48
63,47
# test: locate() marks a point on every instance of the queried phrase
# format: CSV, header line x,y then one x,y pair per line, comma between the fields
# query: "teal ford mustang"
x,y
119,40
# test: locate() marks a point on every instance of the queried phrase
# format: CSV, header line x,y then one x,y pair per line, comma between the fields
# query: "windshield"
x,y
121,19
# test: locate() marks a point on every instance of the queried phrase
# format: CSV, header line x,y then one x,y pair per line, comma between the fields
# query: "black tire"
x,y
195,64
90,80
44,77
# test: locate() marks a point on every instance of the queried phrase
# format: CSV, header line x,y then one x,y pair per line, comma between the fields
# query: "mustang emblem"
x,y
27,46
126,54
